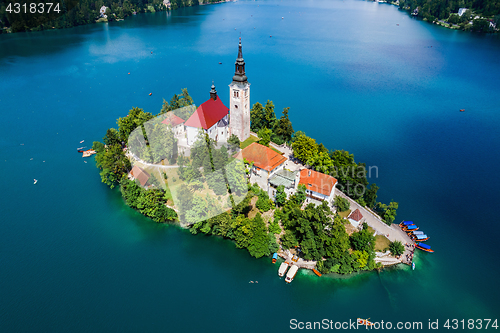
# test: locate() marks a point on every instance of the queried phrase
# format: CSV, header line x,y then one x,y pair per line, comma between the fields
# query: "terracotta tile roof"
x,y
139,174
317,181
172,120
262,156
207,114
356,215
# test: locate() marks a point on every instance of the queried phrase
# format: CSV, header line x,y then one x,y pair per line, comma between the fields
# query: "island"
x,y
243,174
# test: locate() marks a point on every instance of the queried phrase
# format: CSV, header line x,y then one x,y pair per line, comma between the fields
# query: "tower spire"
x,y
213,92
239,73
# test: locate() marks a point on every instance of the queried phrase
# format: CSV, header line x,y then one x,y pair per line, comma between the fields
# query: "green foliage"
x,y
149,202
257,117
304,148
263,203
178,105
299,196
363,240
284,128
388,212
371,195
480,25
342,204
441,9
280,196
265,136
273,245
396,248
136,117
234,140
113,163
288,240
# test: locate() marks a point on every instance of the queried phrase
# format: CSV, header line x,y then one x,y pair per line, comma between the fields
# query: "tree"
x,y
269,115
280,196
288,240
396,248
388,212
363,240
371,195
112,137
135,118
341,203
256,117
263,203
234,140
265,136
284,128
304,148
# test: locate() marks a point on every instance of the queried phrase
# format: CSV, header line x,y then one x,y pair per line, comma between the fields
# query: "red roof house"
x,y
355,216
317,182
172,120
262,157
139,174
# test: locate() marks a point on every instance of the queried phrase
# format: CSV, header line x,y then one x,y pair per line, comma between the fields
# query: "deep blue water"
x,y
74,257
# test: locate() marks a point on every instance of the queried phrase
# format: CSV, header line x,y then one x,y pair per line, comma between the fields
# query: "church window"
x,y
235,106
236,93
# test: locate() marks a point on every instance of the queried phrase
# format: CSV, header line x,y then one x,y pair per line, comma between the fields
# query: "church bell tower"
x,y
239,100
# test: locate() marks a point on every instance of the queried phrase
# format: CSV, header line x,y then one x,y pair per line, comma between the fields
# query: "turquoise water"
x,y
73,257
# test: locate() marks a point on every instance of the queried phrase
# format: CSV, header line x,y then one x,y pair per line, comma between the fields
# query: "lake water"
x,y
74,257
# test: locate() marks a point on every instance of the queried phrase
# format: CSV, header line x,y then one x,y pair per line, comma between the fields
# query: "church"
x,y
219,121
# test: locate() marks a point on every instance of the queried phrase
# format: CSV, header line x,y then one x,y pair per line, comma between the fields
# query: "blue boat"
x,y
424,247
275,257
411,227
421,238
418,233
406,223
413,266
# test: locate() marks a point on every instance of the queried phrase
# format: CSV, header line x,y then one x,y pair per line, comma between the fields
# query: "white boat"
x,y
283,268
35,181
291,273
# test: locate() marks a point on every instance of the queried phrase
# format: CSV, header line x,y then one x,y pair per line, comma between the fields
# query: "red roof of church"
x,y
356,215
262,156
172,120
208,114
317,181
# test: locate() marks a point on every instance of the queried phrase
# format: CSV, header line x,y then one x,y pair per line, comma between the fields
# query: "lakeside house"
x,y
318,185
282,177
461,11
211,117
176,123
355,218
266,162
139,174
102,11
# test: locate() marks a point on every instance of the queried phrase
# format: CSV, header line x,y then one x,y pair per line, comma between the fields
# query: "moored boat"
x,y
405,223
282,269
291,273
424,247
316,272
413,266
421,238
275,257
410,228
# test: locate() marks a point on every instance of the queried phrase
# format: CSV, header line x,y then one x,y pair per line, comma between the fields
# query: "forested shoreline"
x,y
67,14
477,15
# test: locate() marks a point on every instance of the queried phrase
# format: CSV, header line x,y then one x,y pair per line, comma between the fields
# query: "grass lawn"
x,y
248,142
381,243
344,214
